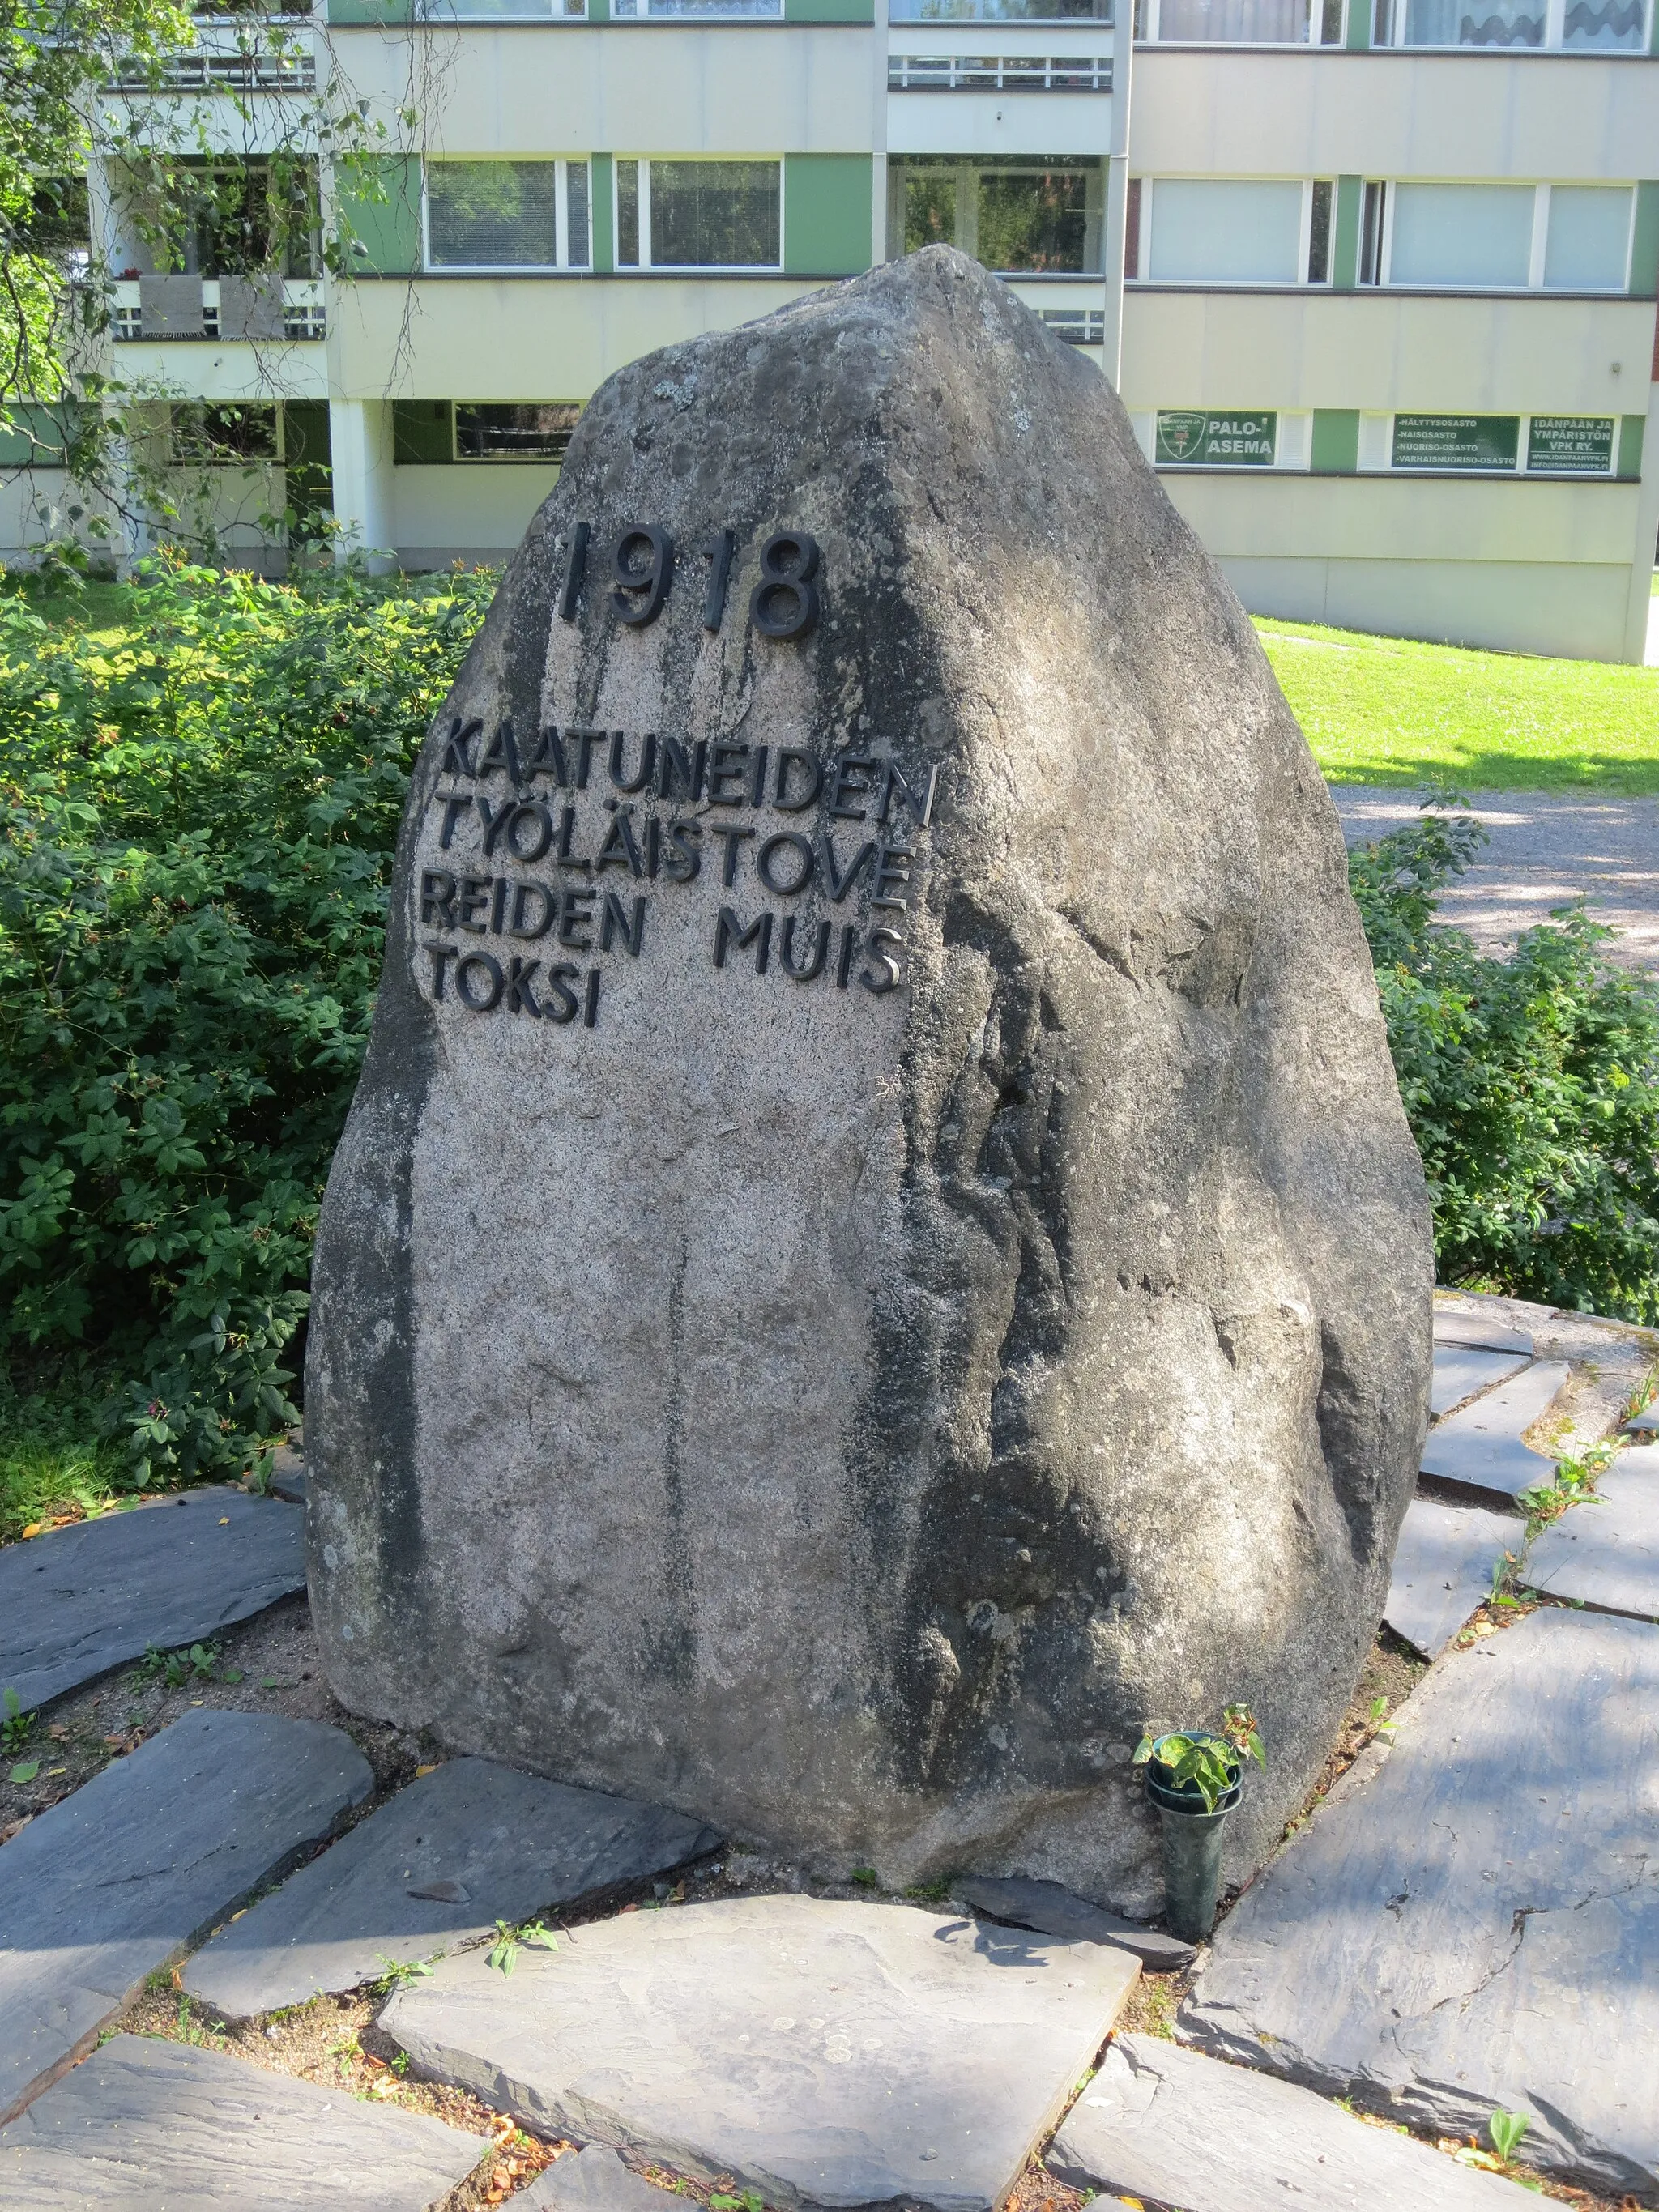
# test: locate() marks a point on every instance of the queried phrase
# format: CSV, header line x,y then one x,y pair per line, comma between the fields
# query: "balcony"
x,y
240,309
1006,73
231,58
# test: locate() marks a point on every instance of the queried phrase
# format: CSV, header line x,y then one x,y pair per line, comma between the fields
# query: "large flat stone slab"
x,y
1460,1373
79,1600
433,1870
1488,1331
1053,1910
823,2054
595,2180
147,2126
1481,1444
1160,2122
1442,1568
1608,1554
109,1883
1477,1924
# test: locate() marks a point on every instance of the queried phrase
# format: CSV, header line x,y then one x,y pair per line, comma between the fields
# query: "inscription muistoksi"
x,y
658,823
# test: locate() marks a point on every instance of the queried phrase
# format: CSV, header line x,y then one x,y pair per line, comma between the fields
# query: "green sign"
x,y
1194,439
1570,445
1456,441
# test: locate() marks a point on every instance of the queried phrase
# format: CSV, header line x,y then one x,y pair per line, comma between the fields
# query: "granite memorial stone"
x,y
877,1245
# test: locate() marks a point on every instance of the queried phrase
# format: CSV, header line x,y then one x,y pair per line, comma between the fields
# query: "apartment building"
x,y
1376,278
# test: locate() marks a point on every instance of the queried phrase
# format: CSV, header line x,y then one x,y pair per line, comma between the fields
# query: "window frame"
x,y
1146,204
1148,28
1538,245
1552,42
561,264
901,167
644,266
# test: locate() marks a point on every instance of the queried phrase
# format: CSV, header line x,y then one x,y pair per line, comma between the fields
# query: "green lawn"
x,y
1385,710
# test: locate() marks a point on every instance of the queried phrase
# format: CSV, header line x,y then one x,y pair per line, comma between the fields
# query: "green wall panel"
x,y
421,431
827,208
1645,246
1630,427
1358,35
603,208
388,229
35,437
828,11
1345,232
1335,441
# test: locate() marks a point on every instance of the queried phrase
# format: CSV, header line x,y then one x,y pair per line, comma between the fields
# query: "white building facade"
x,y
1376,278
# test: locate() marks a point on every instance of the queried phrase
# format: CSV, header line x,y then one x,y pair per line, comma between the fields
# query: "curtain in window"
x,y
1475,235
1224,232
1474,23
1233,22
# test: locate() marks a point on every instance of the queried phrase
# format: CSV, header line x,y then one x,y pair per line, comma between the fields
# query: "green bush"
x,y
197,822
1532,1086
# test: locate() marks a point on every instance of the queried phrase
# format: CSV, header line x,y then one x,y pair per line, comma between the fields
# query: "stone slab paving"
x,y
1443,1568
1460,1372
78,1600
1481,1445
433,1869
822,2053
1053,1910
149,2126
1472,1920
1608,1554
1163,2122
1646,1423
594,2180
1484,1332
111,1881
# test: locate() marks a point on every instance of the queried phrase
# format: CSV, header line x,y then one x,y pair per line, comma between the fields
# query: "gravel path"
x,y
1545,850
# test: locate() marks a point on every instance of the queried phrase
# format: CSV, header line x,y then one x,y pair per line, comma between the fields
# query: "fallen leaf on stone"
x,y
224,1520
433,1768
33,1528
25,1770
58,1733
15,1828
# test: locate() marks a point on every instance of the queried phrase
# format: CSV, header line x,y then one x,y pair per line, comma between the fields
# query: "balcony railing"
x,y
1011,73
216,68
256,310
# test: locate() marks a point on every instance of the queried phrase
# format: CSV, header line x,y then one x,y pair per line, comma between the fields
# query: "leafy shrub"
x,y
1532,1086
198,825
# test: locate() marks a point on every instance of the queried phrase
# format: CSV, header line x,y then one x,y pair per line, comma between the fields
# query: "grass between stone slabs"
x,y
1391,711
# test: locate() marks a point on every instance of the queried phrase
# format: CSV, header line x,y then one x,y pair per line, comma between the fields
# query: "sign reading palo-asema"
x,y
1191,439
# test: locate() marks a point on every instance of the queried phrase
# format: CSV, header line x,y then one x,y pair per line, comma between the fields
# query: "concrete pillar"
x,y
1639,605
1117,191
360,453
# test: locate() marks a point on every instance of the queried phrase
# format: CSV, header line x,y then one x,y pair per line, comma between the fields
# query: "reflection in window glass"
x,y
1233,22
714,215
1588,241
999,11
1616,23
628,214
1022,217
447,11
696,7
529,432
1474,22
491,215
1477,235
576,197
1226,231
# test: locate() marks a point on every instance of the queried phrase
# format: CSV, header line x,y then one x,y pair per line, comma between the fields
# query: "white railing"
x,y
170,310
989,73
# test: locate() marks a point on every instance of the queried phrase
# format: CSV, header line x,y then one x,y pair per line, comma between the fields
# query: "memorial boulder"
x,y
877,1245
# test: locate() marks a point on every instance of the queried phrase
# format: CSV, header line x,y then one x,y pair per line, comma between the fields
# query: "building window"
x,y
1242,23
999,11
699,215
1191,438
507,214
1019,216
698,11
487,11
1561,238
1587,233
1618,26
433,433
1209,230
